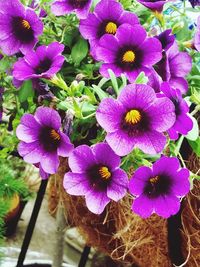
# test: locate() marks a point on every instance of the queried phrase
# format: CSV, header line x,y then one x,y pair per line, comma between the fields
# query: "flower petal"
x,y
22,70
107,48
65,147
105,155
151,142
181,64
109,114
28,130
50,162
48,117
137,182
137,96
105,67
108,9
152,51
31,152
131,35
120,142
167,205
60,8
96,201
162,114
76,184
181,183
179,83
128,17
119,184
89,27
161,166
81,159
143,206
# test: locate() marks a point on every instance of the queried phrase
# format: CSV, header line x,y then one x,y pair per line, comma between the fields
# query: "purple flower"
x,y
136,119
42,63
62,7
107,17
183,123
19,27
158,189
154,81
43,174
96,175
166,38
197,36
1,102
194,3
128,52
42,139
155,5
173,67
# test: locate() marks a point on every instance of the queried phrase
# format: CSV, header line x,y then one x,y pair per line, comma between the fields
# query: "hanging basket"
x,y
123,235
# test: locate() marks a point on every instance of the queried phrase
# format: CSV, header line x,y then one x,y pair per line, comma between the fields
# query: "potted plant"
x,y
14,193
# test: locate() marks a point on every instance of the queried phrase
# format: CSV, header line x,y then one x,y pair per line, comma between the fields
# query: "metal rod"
x,y
32,222
84,256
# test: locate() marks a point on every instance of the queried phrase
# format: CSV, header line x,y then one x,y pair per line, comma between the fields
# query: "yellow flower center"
x,y
128,57
133,117
105,173
55,135
111,28
154,180
26,24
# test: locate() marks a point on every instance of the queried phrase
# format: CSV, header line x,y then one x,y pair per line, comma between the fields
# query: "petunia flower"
x,y
19,27
174,66
95,174
42,141
128,52
107,17
158,189
166,38
183,123
197,35
154,5
42,63
136,119
62,7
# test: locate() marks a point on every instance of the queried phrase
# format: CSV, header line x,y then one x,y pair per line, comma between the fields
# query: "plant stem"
x,y
59,245
84,256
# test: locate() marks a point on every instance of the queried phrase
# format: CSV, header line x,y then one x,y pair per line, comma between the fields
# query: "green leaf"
x,y
25,91
79,51
101,94
195,97
195,145
141,78
102,82
90,95
194,133
114,81
77,109
4,64
88,108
